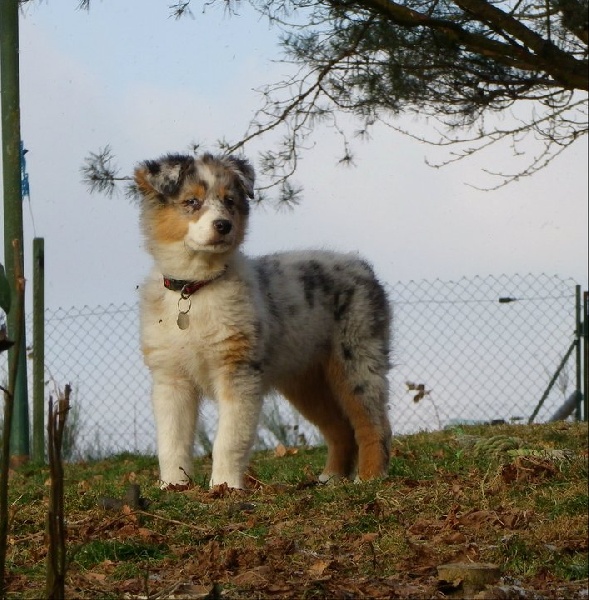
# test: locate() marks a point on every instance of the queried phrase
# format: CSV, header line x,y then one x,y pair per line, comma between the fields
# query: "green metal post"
x,y
38,350
13,221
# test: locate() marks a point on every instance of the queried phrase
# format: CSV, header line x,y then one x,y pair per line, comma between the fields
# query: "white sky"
x,y
127,75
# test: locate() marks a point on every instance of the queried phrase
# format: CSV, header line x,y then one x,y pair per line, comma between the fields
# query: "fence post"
x,y
38,350
575,345
13,225
585,334
578,354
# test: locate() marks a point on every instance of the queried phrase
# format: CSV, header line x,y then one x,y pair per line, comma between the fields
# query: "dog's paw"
x,y
176,487
330,478
380,477
231,481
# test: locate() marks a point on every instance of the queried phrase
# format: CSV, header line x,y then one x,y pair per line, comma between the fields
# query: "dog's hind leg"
x,y
314,399
358,365
364,404
175,405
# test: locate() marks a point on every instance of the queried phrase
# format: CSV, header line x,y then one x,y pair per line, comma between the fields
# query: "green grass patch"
x,y
572,568
99,551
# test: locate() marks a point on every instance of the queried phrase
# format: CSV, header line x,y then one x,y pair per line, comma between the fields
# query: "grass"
x,y
288,537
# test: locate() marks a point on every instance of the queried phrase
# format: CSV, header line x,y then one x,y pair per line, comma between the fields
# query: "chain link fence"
x,y
472,350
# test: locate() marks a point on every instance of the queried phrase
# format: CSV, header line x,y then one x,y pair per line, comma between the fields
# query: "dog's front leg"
x,y
175,406
239,413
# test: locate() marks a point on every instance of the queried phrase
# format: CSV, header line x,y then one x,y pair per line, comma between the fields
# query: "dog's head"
x,y
202,202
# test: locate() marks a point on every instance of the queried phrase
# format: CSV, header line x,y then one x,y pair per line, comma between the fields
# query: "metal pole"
x,y
578,352
13,221
39,350
563,362
585,334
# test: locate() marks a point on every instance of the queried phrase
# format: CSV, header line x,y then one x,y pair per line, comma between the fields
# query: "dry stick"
x,y
56,556
143,513
8,409
203,530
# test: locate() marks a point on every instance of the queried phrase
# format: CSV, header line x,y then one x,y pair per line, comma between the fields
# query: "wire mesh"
x,y
479,350
484,348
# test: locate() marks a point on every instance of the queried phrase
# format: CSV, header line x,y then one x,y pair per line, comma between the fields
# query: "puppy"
x,y
312,325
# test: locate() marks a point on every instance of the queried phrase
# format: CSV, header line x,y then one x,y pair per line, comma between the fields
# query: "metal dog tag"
x,y
183,320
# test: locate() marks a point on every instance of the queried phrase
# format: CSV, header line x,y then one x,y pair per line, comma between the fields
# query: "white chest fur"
x,y
216,313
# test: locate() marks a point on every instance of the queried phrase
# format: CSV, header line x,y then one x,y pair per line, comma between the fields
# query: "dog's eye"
x,y
193,203
229,202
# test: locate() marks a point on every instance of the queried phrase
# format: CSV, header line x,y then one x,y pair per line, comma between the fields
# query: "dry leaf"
x,y
453,538
280,451
256,576
318,568
477,518
419,389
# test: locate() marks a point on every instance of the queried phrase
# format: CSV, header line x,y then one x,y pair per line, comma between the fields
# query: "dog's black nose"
x,y
223,226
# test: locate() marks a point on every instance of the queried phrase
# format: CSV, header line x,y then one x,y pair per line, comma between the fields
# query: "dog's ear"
x,y
245,173
158,179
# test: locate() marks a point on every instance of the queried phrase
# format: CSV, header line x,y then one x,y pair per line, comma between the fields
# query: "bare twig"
x,y
56,556
203,530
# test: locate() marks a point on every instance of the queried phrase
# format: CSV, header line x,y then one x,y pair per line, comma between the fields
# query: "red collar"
x,y
187,288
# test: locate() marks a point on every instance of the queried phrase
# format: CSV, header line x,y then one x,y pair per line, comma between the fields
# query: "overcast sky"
x,y
127,75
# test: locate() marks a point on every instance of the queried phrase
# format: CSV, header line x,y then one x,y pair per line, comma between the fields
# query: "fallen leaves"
x,y
472,520
527,469
281,451
287,537
317,569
